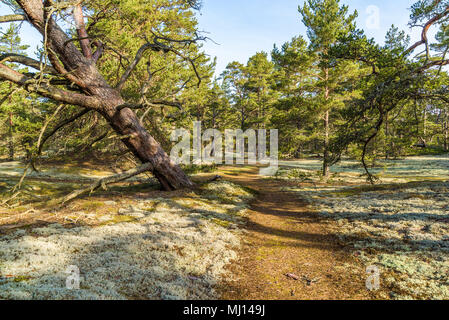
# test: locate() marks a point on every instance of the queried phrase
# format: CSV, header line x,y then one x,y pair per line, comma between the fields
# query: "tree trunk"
x,y
425,126
142,144
298,153
387,155
446,130
326,170
11,138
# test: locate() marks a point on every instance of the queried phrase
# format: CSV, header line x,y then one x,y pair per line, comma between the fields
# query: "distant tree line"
x,y
331,93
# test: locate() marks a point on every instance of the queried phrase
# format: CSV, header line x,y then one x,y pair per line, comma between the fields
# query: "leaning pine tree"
x,y
71,75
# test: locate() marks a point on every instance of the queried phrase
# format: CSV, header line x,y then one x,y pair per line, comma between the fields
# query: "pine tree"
x,y
260,75
295,116
326,21
234,81
10,42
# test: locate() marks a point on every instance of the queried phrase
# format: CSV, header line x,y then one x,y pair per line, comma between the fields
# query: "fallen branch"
x,y
108,180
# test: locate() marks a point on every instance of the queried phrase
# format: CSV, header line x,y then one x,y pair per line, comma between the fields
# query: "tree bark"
x,y
425,126
387,132
446,130
11,138
326,170
147,149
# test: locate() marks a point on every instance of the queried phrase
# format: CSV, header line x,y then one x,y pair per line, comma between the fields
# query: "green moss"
x,y
22,278
91,205
221,223
116,219
353,191
295,174
194,169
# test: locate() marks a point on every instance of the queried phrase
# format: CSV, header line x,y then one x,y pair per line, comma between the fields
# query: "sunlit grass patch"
x,y
194,169
90,205
115,219
227,192
296,174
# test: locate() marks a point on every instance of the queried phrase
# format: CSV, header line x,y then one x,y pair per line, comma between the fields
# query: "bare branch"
x,y
59,126
44,127
109,180
150,103
48,91
176,104
426,27
6,97
58,49
158,46
99,52
13,18
429,65
133,65
17,58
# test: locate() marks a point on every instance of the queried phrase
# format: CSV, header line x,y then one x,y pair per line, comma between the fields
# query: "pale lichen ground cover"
x,y
402,228
175,248
388,171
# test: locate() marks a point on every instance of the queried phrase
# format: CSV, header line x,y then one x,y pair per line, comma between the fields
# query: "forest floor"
x,y
399,226
289,252
245,236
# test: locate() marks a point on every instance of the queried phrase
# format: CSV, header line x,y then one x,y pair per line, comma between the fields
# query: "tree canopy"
x,y
116,77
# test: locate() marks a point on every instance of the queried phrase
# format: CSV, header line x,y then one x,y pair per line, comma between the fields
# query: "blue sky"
x,y
243,27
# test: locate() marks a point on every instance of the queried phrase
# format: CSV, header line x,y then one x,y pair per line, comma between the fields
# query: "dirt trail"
x,y
284,237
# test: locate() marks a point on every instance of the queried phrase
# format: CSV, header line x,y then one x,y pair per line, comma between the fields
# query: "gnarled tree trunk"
x,y
79,67
145,147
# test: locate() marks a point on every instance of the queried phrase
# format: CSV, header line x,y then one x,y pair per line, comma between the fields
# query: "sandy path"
x,y
285,237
